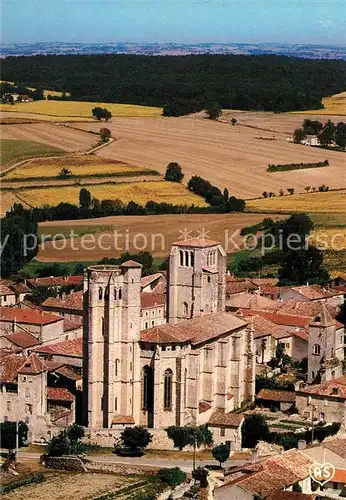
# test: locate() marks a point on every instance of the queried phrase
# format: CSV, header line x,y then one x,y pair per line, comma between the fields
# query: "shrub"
x,y
24,481
174,173
172,477
105,134
136,438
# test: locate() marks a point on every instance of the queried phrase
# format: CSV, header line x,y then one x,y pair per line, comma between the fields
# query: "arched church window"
x,y
187,258
181,254
115,293
120,294
106,294
145,386
116,367
185,309
100,293
167,397
317,349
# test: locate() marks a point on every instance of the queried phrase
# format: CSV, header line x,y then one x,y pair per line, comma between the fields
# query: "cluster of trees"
x,y
185,84
99,113
327,133
19,234
8,433
145,258
6,89
212,194
298,262
67,442
296,166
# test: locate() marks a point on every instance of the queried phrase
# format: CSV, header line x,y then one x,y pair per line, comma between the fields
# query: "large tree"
x,y
300,267
174,172
221,453
19,240
255,428
213,110
85,198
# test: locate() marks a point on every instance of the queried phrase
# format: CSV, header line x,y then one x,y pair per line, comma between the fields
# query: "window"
x,y
5,298
27,392
185,309
115,294
100,293
8,405
102,403
208,279
153,323
173,347
192,259
145,375
107,293
28,408
116,367
181,255
333,373
115,404
322,416
167,397
120,294
333,352
222,432
146,324
163,348
316,349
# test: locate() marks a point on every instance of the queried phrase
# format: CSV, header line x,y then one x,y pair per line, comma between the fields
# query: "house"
x,y
280,400
47,328
313,293
310,140
43,393
69,352
249,301
7,296
56,283
153,309
18,341
69,306
272,478
237,286
12,292
154,283
226,428
325,402
306,308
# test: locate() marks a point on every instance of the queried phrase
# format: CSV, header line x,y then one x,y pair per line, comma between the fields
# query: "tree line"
x,y
185,84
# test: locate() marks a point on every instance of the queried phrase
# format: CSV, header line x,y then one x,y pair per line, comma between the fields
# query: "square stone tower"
x,y
196,279
325,349
111,357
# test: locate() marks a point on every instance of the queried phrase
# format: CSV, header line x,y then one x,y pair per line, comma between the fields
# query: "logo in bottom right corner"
x,y
322,473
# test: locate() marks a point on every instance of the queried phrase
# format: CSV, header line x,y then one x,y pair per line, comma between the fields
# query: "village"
x,y
191,346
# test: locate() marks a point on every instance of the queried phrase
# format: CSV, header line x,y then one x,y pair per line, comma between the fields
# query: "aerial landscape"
x,y
173,250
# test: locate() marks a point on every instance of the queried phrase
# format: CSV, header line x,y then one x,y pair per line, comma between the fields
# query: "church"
x,y
196,368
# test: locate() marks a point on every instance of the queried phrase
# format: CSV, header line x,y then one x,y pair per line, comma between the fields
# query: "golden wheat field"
x,y
140,192
82,165
331,201
333,105
74,109
329,238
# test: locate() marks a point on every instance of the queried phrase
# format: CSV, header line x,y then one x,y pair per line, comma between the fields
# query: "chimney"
x,y
254,455
301,444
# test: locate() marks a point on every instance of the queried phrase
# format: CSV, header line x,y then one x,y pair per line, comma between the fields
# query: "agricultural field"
x,y
140,192
54,93
79,486
333,105
49,134
229,156
13,150
134,233
328,202
79,110
80,166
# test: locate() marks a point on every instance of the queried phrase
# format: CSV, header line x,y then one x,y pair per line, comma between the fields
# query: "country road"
x,y
185,465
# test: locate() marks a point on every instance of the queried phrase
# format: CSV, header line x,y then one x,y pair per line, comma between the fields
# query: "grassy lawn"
x,y
13,150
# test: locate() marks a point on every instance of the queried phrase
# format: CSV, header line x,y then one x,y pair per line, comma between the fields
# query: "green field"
x,y
12,150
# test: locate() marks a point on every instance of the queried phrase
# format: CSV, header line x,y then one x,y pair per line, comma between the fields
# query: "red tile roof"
x,y
340,476
265,281
53,281
203,406
314,292
291,495
19,288
196,330
150,300
275,473
196,242
305,308
73,347
219,419
23,339
131,263
337,445
9,366
72,301
5,290
147,280
71,325
33,365
239,286
251,301
27,316
59,394
67,372
263,327
274,395
280,319
333,388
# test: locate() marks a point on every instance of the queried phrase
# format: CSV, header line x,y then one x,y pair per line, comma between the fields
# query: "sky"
x,y
186,21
